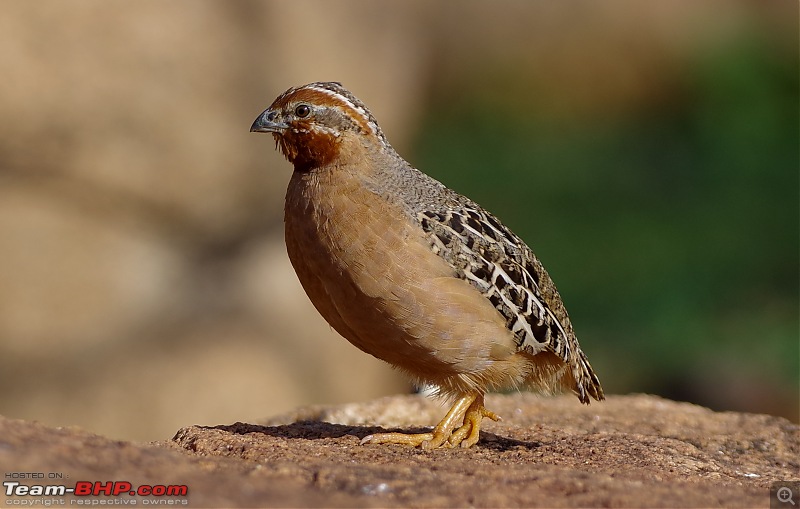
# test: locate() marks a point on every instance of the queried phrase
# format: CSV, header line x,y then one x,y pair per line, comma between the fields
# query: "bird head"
x,y
313,124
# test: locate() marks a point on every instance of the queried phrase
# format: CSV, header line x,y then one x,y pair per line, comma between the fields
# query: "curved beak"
x,y
266,123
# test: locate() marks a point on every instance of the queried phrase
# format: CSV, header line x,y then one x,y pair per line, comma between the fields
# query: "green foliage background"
x,y
672,232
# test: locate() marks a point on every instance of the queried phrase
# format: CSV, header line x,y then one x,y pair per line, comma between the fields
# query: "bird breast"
x,y
370,272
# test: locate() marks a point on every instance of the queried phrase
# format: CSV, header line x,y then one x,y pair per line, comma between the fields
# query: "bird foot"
x,y
468,433
469,411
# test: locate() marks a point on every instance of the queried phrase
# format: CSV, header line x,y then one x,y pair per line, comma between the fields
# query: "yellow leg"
x,y
467,411
469,432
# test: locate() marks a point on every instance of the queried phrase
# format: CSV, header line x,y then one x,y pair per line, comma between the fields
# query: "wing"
x,y
504,270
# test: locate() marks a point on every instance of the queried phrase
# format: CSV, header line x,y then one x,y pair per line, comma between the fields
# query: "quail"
x,y
412,272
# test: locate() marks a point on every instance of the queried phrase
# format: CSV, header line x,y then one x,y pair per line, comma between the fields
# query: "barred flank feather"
x,y
504,269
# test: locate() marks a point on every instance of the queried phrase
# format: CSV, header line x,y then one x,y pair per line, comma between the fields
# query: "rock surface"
x,y
630,451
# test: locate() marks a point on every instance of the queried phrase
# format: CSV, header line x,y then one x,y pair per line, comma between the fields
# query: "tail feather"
x,y
586,381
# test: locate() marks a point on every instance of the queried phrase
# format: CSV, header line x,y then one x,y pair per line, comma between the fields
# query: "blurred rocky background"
x,y
647,151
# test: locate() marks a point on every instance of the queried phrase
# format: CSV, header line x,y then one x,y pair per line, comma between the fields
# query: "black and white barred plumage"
x,y
503,268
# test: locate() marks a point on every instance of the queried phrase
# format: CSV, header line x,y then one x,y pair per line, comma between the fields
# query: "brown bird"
x,y
414,273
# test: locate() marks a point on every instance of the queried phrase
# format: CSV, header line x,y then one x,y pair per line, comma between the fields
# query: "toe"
x,y
412,439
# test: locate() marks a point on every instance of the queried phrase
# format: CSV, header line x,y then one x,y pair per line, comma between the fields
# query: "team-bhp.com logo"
x,y
86,493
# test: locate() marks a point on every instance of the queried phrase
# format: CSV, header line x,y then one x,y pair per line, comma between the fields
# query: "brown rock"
x,y
629,451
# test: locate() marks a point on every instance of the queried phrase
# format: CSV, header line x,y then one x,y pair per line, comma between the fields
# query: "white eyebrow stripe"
x,y
358,109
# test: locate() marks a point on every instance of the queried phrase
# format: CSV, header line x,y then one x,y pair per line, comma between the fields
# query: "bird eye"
x,y
302,111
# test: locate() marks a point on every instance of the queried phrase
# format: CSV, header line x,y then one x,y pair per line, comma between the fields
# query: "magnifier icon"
x,y
784,495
